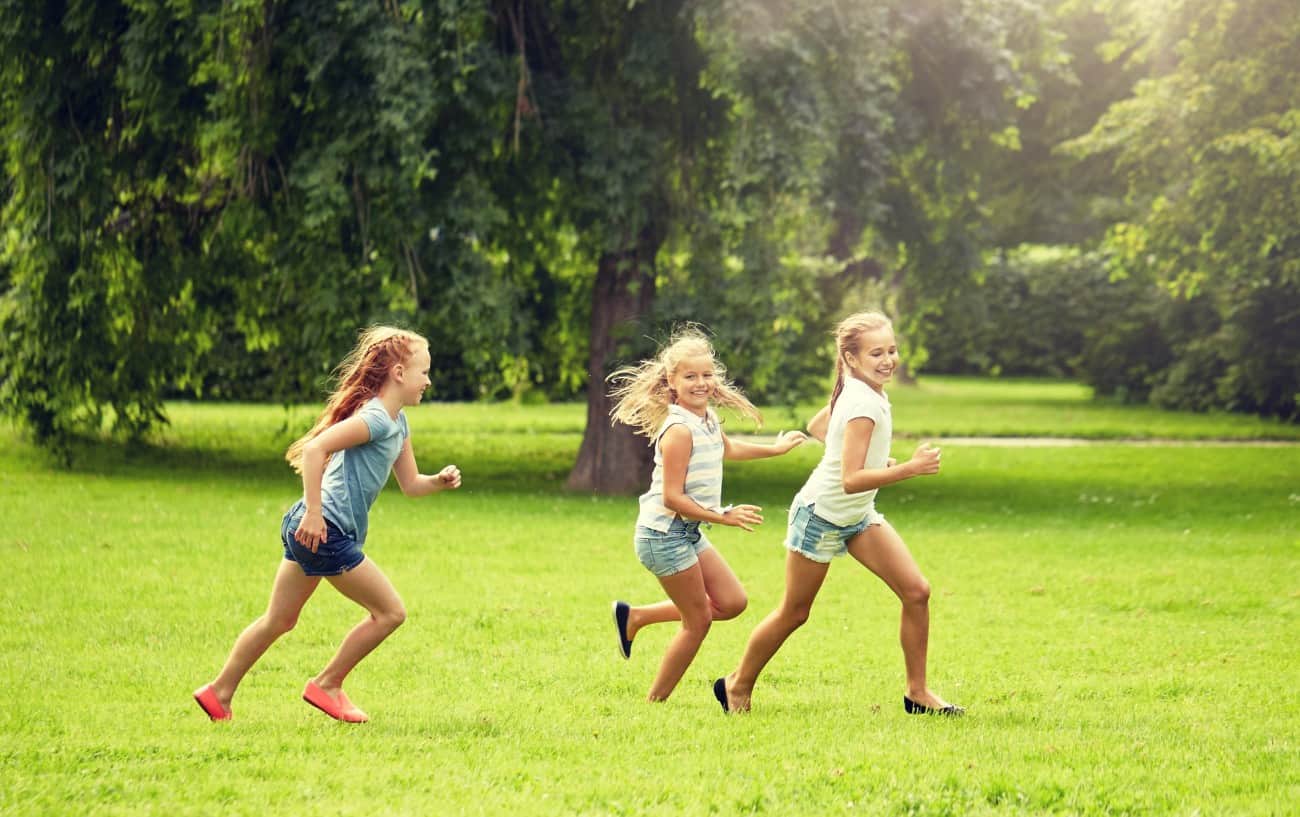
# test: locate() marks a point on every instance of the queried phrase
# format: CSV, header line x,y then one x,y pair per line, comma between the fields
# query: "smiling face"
x,y
876,358
693,383
412,376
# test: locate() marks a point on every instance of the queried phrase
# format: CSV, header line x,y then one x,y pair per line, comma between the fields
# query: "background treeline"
x,y
209,198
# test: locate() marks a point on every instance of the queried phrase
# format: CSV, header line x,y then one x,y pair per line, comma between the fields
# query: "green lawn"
x,y
1121,622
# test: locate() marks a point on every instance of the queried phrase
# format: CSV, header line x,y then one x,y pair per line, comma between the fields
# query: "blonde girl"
x,y
834,513
344,460
669,401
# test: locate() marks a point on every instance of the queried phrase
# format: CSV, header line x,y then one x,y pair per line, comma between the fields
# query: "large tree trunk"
x,y
613,459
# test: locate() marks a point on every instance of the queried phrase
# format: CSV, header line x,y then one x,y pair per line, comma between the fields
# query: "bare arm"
x,y
740,450
413,483
857,477
820,422
676,445
348,433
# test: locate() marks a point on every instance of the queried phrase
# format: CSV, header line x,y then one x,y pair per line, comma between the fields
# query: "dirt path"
x,y
1070,442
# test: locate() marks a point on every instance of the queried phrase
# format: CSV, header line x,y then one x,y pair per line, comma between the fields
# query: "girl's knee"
x,y
280,624
729,608
797,616
697,621
916,592
391,619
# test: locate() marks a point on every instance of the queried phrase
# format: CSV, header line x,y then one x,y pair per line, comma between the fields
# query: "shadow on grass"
x,y
1086,485
508,463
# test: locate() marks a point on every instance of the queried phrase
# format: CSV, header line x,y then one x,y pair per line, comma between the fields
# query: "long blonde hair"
x,y
360,376
642,394
848,337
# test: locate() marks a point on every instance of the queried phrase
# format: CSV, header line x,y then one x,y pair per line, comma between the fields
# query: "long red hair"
x,y
360,376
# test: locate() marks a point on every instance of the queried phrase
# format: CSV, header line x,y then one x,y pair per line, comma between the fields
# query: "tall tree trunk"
x,y
613,459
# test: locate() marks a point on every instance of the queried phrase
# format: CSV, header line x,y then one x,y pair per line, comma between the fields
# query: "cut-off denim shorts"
x,y
664,554
810,535
338,554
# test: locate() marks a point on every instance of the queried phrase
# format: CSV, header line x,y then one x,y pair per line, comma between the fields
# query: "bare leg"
x,y
881,550
289,593
686,589
726,596
367,585
803,579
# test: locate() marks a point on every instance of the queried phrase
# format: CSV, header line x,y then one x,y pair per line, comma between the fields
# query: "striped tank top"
x,y
703,472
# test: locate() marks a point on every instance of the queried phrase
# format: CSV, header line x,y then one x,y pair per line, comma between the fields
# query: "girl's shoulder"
x,y
381,423
859,399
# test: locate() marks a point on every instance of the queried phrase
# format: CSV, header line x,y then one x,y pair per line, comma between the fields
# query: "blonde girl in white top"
x,y
834,513
667,399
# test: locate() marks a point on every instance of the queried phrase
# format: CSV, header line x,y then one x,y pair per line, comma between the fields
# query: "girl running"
x,y
835,513
668,399
344,460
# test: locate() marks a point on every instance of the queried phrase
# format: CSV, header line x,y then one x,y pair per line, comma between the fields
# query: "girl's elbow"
x,y
854,487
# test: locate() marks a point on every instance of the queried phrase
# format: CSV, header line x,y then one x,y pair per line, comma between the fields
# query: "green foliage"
x,y
209,199
1035,310
1033,192
1209,146
100,243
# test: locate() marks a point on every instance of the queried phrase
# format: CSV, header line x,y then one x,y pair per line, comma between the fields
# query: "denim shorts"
x,y
664,554
810,535
339,553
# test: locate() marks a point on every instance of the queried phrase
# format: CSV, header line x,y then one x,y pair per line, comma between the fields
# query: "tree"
x,y
753,164
213,199
615,113
1209,148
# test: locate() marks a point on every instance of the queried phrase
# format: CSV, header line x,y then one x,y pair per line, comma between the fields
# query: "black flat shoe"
x,y
913,708
720,692
621,610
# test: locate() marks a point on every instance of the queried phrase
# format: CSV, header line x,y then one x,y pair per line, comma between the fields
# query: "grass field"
x,y
1121,621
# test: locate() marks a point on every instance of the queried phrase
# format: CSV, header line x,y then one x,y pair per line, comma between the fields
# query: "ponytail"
x,y
839,379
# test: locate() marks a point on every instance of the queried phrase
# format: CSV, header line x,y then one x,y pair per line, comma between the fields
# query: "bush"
x,y
1030,315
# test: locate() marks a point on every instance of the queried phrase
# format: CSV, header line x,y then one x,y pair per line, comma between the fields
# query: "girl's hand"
x,y
925,460
448,478
743,516
891,462
788,440
311,530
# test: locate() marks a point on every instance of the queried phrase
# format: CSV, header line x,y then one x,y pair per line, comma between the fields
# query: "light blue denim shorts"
x,y
664,554
810,535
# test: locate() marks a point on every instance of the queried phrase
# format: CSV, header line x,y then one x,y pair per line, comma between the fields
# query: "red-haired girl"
x,y
344,460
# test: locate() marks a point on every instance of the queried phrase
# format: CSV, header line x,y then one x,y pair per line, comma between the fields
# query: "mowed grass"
x,y
1121,621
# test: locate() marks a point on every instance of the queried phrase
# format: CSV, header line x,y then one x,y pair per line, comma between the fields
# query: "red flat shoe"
x,y
206,698
340,710
351,713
